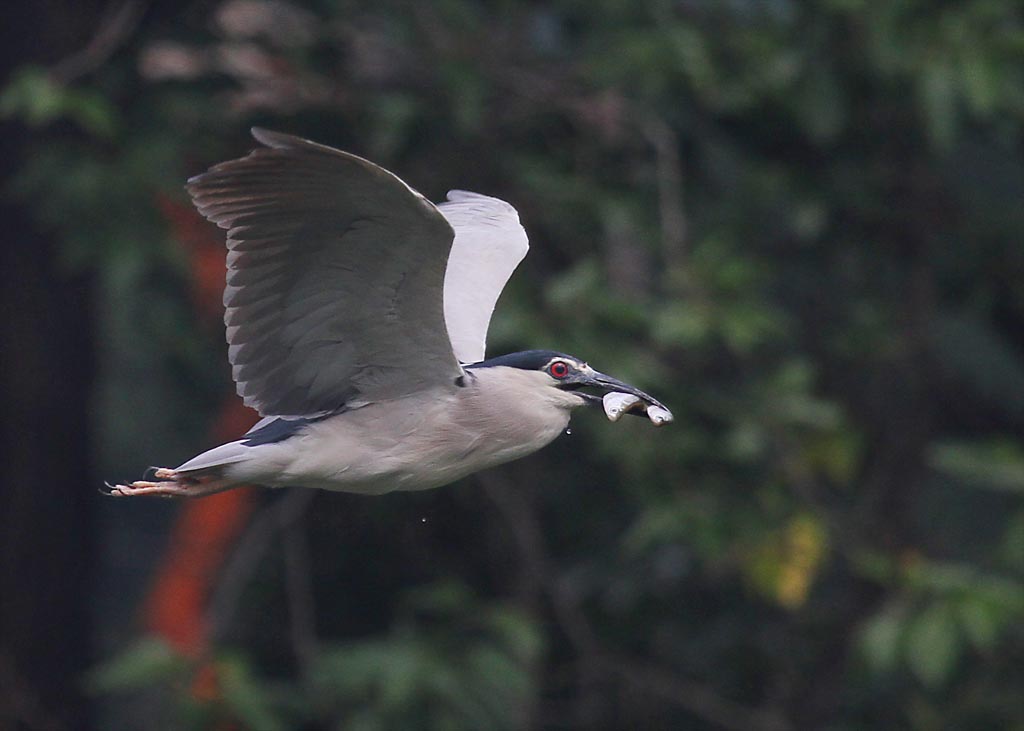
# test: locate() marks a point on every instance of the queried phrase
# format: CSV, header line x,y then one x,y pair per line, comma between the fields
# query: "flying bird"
x,y
357,314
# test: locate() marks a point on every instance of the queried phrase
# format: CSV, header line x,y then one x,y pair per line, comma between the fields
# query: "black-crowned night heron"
x,y
356,315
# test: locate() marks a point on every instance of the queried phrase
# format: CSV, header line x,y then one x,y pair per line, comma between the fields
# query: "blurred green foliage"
x,y
449,662
800,225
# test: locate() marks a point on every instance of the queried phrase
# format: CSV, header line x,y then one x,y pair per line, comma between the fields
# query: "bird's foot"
x,y
174,485
163,488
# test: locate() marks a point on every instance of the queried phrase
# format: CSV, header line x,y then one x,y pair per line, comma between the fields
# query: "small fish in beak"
x,y
616,404
659,415
623,398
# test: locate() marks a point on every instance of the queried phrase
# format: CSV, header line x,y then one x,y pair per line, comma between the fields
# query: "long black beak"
x,y
600,380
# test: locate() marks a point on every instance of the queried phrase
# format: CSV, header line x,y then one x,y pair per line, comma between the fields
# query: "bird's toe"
x,y
143,487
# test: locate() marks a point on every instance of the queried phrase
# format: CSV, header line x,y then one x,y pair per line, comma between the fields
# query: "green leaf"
x,y
576,285
980,621
938,103
996,464
681,324
33,96
518,632
246,697
980,81
1012,549
880,639
934,645
148,662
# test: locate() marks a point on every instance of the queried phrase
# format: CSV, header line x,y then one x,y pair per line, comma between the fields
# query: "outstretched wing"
x,y
335,278
489,244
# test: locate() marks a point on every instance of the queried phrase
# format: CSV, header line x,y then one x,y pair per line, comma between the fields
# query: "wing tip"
x,y
276,140
284,141
267,138
458,194
468,197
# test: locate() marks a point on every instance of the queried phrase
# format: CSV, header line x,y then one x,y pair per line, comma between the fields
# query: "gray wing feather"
x,y
335,278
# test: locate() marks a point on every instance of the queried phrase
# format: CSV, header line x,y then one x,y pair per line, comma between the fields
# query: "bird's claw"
x,y
164,488
169,484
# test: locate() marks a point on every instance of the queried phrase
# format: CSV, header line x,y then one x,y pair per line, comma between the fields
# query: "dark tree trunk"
x,y
47,494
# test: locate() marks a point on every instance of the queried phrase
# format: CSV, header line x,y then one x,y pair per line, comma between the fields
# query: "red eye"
x,y
559,369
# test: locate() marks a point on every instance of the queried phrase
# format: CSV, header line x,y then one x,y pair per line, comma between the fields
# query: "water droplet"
x,y
423,520
568,431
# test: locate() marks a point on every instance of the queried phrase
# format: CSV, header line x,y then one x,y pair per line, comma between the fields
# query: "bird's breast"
x,y
422,441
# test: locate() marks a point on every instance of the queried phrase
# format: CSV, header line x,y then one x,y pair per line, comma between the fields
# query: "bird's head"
x,y
567,373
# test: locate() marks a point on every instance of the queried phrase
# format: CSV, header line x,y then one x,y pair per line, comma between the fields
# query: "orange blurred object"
x,y
204,247
205,530
200,542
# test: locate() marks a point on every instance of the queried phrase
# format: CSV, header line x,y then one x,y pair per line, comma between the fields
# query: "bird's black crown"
x,y
527,360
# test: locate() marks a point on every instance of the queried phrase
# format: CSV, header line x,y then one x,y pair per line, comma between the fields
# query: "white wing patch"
x,y
489,244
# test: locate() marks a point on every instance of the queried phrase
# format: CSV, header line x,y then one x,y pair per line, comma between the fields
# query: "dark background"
x,y
799,225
